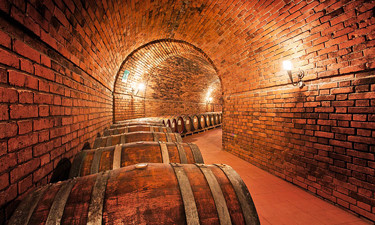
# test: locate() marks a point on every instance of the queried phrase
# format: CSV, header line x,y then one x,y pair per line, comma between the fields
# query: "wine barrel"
x,y
143,119
202,121
129,129
207,119
93,161
217,120
195,122
184,124
173,124
211,117
135,137
152,193
117,125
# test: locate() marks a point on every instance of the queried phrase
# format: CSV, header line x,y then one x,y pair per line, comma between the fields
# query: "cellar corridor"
x,y
292,83
277,201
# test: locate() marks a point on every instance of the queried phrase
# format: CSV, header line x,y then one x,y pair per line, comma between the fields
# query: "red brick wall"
x,y
320,137
178,78
49,107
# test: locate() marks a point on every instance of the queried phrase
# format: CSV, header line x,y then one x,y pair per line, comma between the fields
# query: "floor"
x,y
277,201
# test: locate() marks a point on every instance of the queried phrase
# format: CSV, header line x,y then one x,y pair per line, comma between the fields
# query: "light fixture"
x,y
288,66
140,87
209,99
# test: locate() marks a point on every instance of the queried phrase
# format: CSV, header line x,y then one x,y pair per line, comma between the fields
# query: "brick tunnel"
x,y
71,68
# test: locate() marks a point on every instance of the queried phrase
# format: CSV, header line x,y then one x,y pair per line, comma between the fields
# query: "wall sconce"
x,y
288,66
209,99
140,87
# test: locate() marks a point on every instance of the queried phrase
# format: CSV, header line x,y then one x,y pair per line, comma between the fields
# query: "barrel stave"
x,y
202,195
78,202
230,196
157,199
42,209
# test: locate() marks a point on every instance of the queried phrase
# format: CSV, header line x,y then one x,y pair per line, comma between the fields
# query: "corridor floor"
x,y
277,201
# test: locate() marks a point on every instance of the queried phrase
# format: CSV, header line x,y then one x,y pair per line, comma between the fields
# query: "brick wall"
x,y
320,137
49,107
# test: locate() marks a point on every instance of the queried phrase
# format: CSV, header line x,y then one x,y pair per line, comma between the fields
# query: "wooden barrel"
x,y
129,129
184,124
154,193
93,161
117,125
212,118
195,122
217,118
207,119
143,119
135,137
202,121
173,124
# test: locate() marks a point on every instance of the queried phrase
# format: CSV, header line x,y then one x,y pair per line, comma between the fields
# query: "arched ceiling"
x,y
170,70
99,35
246,40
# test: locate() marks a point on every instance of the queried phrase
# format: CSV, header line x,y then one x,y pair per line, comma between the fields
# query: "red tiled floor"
x,y
277,201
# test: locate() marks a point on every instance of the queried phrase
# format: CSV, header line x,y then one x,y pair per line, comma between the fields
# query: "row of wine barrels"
x,y
143,194
136,123
143,119
108,158
130,129
188,123
135,137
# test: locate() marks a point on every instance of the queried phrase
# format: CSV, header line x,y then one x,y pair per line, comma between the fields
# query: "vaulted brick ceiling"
x,y
104,33
170,70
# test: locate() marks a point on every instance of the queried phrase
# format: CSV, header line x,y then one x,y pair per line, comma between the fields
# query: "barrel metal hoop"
x,y
187,195
168,137
123,139
95,213
117,157
96,161
97,142
75,170
25,210
58,205
178,137
181,152
164,152
196,153
156,136
217,194
243,194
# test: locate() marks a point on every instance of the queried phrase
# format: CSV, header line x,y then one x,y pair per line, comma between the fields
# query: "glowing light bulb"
x,y
287,65
141,86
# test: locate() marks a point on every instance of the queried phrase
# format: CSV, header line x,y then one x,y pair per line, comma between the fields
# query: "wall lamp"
x,y
288,66
209,99
140,87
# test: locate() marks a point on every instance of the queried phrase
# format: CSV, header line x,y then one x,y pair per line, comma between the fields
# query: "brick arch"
x,y
177,75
